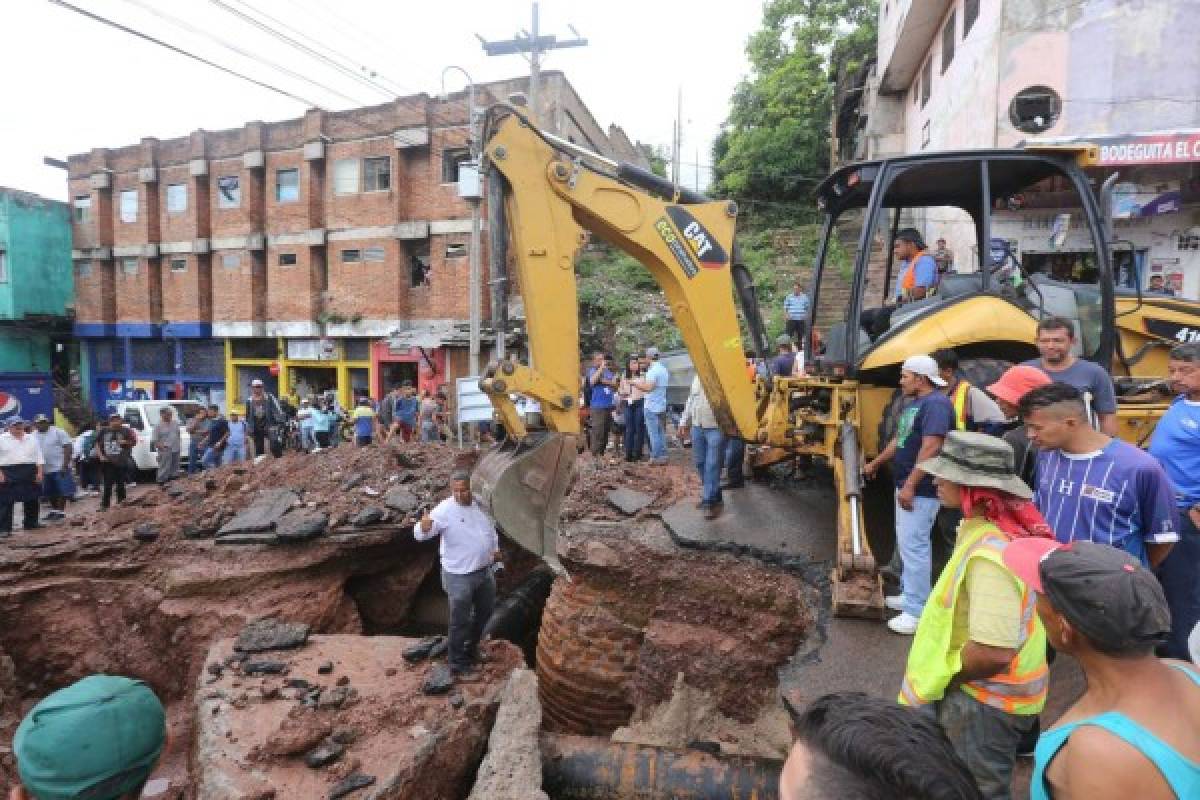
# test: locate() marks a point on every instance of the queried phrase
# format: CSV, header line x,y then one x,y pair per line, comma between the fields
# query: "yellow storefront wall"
x,y
340,364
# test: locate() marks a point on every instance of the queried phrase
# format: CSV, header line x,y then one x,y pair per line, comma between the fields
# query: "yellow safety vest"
x,y
1021,689
960,404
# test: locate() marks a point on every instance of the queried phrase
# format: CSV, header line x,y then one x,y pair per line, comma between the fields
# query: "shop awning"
x,y
1132,149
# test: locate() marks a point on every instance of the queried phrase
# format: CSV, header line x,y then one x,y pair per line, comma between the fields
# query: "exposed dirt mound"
x,y
587,499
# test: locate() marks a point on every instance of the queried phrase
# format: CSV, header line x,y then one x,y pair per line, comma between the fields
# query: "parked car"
x,y
143,415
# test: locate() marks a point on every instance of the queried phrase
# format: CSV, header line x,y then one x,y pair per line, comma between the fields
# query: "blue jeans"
x,y
194,454
656,433
913,529
635,429
1179,574
735,456
307,440
708,452
234,453
212,458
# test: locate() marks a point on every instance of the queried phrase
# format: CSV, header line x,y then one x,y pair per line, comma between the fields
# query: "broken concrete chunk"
x,y
263,667
271,634
326,752
336,697
296,736
401,499
263,513
325,668
368,516
352,480
439,680
629,501
299,527
423,649
146,532
351,783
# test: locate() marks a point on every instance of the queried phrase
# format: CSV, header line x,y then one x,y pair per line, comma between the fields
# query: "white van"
x,y
143,415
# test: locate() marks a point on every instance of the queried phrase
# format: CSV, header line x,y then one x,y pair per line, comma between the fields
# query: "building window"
x,y
287,185
129,204
176,198
373,254
420,265
970,14
178,265
83,268
83,209
351,256
377,174
3,267
926,81
345,176
451,161
229,191
231,260
948,42
287,259
456,250
1035,109
129,266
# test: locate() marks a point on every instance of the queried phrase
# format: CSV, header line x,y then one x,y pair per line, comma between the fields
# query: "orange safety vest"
x,y
909,281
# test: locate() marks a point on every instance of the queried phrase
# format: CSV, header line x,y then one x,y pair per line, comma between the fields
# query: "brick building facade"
x,y
325,252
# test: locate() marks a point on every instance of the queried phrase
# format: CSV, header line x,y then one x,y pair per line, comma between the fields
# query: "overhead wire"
x,y
185,25
314,53
155,40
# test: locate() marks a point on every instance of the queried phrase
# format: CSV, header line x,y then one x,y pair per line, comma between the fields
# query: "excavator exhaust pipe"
x,y
523,483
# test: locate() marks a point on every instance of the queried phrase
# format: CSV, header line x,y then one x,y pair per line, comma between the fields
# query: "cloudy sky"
x,y
73,84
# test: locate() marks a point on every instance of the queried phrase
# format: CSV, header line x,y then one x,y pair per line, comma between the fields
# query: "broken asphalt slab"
x,y
629,501
271,634
772,524
261,515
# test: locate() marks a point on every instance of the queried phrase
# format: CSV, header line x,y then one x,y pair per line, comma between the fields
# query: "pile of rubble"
x,y
609,489
280,714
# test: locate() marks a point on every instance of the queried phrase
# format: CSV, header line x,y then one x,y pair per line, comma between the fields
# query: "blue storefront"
x,y
175,361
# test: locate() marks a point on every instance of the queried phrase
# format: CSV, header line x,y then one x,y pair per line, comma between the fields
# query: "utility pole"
x,y
532,45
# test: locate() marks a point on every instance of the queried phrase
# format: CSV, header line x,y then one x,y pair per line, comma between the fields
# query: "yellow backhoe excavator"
x,y
546,194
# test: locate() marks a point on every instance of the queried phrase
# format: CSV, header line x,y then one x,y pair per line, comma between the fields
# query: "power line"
x,y
240,51
147,37
299,45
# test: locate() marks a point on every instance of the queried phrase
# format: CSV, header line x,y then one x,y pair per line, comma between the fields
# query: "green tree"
x,y
775,145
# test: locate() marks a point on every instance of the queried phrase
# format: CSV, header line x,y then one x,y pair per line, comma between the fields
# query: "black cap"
x,y
910,235
1105,593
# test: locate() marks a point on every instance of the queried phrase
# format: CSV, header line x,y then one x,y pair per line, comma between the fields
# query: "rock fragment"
x,y
326,752
440,680
271,634
351,783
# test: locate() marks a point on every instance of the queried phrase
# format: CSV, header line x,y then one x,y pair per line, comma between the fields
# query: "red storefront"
x,y
424,366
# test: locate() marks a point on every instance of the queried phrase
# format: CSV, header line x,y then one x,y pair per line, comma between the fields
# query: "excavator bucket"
x,y
522,484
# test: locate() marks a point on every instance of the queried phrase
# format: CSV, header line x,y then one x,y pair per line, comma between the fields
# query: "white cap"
x,y
256,382
923,365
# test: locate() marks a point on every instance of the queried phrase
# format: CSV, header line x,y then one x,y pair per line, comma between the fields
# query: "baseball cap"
x,y
651,352
1018,381
14,420
41,418
256,382
782,339
923,365
1105,593
98,738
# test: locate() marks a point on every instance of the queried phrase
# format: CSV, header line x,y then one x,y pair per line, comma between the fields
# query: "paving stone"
x,y
351,783
368,516
271,634
629,501
326,752
402,499
300,527
263,513
440,680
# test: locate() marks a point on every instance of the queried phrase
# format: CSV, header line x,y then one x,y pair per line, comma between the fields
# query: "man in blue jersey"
x,y
1176,445
1093,487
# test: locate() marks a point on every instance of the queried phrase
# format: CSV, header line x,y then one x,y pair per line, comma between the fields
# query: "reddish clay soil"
x,y
594,477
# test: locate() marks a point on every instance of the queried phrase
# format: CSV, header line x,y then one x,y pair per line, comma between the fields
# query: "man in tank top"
x,y
1135,733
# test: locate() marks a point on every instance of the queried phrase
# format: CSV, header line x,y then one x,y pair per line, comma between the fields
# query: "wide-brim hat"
x,y
976,459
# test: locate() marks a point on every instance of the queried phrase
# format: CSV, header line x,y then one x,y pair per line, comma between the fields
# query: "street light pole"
x,y
476,280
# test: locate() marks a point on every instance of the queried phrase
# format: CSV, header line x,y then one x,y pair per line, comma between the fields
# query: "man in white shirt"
x,y
20,476
468,549
57,483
